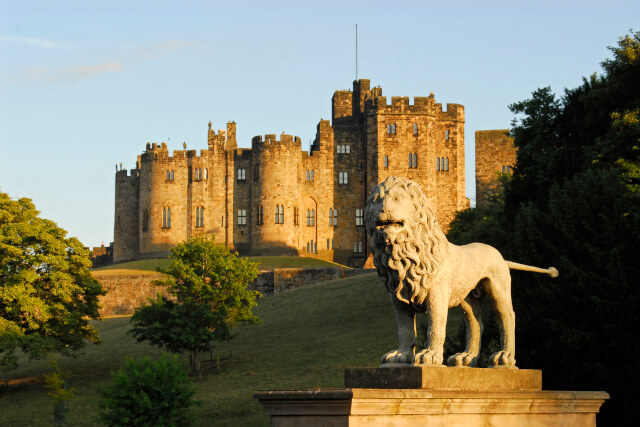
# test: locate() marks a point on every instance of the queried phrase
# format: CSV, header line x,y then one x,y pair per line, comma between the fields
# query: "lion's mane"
x,y
407,260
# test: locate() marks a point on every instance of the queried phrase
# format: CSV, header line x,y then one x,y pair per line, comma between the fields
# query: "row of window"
x,y
242,217
197,174
312,247
241,175
413,160
343,149
309,175
507,169
442,164
391,130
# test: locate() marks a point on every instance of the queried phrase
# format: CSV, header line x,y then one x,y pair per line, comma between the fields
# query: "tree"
x,y
47,294
146,393
209,296
574,202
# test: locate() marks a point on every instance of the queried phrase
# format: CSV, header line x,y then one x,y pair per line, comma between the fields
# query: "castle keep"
x,y
275,198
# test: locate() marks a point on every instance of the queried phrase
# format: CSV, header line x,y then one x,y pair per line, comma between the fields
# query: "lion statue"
x,y
425,273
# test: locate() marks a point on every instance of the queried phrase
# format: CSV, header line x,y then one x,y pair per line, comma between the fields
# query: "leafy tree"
x,y
146,393
209,296
574,202
47,294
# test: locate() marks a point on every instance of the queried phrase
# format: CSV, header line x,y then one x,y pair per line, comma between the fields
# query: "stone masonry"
x,y
495,154
275,198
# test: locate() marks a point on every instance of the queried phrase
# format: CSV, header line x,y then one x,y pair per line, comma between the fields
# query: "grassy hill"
x,y
264,263
307,337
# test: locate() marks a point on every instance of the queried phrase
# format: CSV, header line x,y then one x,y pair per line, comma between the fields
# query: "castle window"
x,y
508,169
393,129
279,214
386,162
333,217
343,149
145,220
256,173
315,247
343,178
328,244
359,216
296,219
446,164
169,174
242,174
206,173
413,160
311,174
389,129
339,149
438,164
242,217
446,134
410,160
415,128
166,217
199,217
260,215
504,169
313,217
307,247
308,175
332,244
347,149
308,217
357,246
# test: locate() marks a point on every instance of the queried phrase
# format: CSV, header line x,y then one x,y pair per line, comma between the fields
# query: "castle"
x,y
275,198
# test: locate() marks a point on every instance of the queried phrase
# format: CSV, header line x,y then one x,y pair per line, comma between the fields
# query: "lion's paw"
x,y
502,358
429,357
462,359
397,356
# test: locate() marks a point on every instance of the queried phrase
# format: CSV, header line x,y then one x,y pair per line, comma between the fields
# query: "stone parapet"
x,y
410,407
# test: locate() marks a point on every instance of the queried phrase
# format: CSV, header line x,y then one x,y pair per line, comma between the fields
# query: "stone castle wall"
x,y
366,140
495,154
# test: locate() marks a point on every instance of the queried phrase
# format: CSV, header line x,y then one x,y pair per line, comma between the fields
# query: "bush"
x,y
147,393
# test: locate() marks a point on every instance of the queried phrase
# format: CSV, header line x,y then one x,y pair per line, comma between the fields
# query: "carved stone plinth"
x,y
434,400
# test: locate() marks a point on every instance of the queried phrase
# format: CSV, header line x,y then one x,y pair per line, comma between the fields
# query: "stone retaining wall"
x,y
125,291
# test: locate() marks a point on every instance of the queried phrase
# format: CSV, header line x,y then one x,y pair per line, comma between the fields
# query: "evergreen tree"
x,y
574,202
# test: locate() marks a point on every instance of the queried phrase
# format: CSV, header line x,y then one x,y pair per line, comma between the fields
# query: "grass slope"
x,y
264,263
307,337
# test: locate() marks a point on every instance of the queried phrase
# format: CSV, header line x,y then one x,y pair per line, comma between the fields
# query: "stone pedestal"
x,y
434,396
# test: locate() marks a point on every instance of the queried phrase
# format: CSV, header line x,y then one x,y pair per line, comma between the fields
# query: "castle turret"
x,y
276,193
126,225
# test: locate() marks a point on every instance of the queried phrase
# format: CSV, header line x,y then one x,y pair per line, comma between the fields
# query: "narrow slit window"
x,y
415,128
446,164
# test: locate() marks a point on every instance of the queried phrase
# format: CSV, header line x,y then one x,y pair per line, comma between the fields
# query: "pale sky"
x,y
84,85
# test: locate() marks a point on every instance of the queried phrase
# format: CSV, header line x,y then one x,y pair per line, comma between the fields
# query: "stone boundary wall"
x,y
125,291
284,279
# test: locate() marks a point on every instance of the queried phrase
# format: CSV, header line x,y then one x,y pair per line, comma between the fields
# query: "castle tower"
x,y
495,154
126,224
275,198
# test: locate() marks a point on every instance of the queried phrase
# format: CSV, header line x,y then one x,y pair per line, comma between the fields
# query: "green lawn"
x,y
265,263
307,337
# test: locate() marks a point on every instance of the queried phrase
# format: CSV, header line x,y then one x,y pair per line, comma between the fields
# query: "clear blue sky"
x,y
85,84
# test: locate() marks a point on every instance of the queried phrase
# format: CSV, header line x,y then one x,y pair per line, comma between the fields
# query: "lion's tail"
x,y
551,271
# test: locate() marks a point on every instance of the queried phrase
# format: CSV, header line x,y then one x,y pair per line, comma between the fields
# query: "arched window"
x,y
504,169
169,175
172,175
410,160
308,175
389,129
308,217
446,164
164,217
311,174
168,217
438,164
343,178
509,169
386,162
415,161
446,134
415,128
393,129
313,217
206,173
347,149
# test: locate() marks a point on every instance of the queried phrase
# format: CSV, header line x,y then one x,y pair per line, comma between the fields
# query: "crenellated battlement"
x,y
271,141
402,104
454,112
